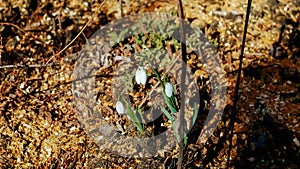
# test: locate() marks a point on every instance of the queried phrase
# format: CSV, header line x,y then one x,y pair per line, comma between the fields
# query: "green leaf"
x,y
140,117
195,114
169,101
135,120
133,117
173,101
169,116
185,139
169,104
158,77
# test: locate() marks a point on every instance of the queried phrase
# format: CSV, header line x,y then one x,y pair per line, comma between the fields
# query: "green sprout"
x,y
170,101
157,42
172,105
135,116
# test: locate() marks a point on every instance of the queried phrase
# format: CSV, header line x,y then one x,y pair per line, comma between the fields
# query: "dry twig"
x,y
23,66
91,18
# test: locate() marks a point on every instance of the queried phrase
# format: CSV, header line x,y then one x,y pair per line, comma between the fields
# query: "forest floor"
x,y
41,129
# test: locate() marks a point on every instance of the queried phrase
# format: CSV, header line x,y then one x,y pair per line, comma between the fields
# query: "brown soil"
x,y
40,129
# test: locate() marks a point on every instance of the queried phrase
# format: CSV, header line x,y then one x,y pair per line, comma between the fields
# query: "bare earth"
x,y
40,129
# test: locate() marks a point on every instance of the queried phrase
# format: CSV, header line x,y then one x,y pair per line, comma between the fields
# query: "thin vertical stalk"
x,y
182,85
236,91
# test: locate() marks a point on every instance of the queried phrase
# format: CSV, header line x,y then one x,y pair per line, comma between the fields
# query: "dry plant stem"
x,y
121,8
23,66
182,86
91,18
53,56
24,32
236,91
164,165
13,25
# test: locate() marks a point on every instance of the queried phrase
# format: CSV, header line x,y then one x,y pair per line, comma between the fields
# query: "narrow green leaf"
x,y
185,139
134,118
169,116
140,118
158,77
169,104
173,102
195,114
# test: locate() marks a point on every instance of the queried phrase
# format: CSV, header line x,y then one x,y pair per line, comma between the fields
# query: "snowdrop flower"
x,y
169,89
120,107
140,76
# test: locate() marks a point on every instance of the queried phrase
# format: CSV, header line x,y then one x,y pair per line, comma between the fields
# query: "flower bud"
x,y
168,89
120,107
140,76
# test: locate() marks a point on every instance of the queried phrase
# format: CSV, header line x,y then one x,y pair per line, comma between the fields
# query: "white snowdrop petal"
x,y
120,107
169,89
140,76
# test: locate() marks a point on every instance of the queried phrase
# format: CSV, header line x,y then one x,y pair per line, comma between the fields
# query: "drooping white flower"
x,y
120,107
140,76
169,89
